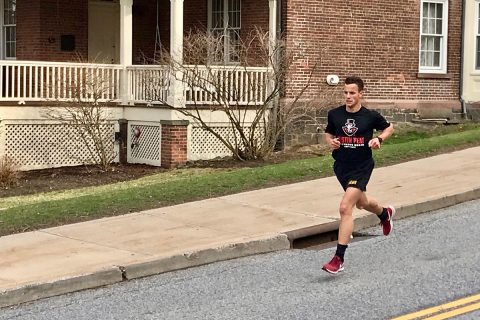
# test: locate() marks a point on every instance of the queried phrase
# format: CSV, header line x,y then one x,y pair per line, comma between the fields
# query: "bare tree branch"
x,y
87,117
246,96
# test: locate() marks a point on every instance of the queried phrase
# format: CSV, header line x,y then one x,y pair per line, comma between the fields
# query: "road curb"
x,y
404,211
33,292
206,256
410,210
121,273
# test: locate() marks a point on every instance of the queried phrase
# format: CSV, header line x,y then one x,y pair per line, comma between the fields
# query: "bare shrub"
x,y
8,172
235,89
87,118
311,110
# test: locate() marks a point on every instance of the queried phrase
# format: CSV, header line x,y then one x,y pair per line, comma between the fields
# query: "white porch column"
x,y
272,25
126,39
272,43
176,96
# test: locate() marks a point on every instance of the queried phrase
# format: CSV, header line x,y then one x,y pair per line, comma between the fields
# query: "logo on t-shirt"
x,y
349,128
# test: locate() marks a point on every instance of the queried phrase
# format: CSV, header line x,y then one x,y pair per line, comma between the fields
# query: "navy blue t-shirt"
x,y
354,130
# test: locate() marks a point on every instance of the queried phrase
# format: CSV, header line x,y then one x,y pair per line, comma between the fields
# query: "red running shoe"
x,y
334,266
387,225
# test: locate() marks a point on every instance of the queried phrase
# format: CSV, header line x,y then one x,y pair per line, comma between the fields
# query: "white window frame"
x,y
444,40
3,46
477,36
226,29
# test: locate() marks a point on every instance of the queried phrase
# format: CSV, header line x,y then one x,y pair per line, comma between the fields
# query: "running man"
x,y
349,133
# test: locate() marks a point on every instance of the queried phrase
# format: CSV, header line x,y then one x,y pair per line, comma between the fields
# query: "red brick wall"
x,y
254,13
164,24
40,23
195,15
174,145
376,40
144,27
28,29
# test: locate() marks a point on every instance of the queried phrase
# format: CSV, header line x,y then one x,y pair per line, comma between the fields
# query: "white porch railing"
x,y
59,81
39,81
240,85
148,83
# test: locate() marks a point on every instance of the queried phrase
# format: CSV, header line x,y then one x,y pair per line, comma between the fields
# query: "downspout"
x,y
280,140
280,36
462,62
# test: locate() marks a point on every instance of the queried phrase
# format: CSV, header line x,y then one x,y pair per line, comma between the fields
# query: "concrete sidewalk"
x,y
95,253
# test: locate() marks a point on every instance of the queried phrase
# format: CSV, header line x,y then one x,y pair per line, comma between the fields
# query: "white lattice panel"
x,y
44,145
203,145
146,147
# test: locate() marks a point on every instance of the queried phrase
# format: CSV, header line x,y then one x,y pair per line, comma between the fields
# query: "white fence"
x,y
58,81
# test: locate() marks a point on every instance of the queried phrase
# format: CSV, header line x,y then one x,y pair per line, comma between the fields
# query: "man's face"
x,y
352,95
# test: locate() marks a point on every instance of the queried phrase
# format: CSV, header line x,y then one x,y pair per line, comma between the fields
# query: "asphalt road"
x,y
428,260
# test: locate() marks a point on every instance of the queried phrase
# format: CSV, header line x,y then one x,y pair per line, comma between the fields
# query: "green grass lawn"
x,y
25,213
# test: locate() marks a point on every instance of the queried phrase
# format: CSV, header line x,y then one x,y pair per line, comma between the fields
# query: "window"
x,y
477,63
433,36
224,24
9,29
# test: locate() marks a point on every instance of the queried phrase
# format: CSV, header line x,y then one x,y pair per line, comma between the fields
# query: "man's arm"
x,y
375,143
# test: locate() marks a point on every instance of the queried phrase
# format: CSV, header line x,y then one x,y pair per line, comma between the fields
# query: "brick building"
x,y
408,52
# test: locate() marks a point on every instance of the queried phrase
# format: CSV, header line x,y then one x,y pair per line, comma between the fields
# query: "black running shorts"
x,y
355,174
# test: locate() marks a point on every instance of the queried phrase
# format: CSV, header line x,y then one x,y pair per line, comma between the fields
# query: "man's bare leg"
x,y
369,204
349,200
385,214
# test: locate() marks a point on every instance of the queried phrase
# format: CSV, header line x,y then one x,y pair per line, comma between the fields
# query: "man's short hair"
x,y
355,80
